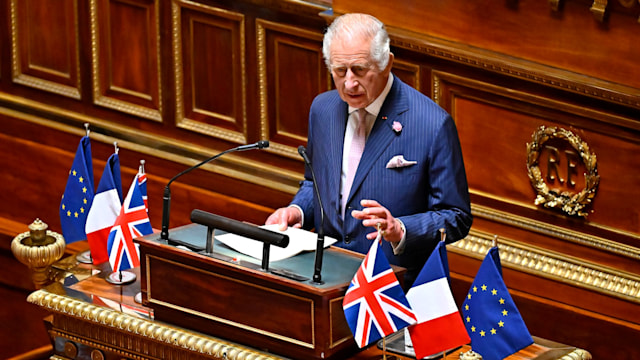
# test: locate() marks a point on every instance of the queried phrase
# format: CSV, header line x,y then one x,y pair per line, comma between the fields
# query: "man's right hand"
x,y
285,217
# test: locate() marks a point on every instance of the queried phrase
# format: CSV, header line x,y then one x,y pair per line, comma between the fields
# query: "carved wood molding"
x,y
517,68
76,320
170,149
558,232
551,265
598,7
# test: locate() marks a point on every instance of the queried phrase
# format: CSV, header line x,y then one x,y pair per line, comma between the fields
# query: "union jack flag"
x,y
374,304
142,182
132,222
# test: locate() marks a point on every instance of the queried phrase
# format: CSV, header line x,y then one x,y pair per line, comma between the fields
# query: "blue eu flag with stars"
x,y
492,320
78,194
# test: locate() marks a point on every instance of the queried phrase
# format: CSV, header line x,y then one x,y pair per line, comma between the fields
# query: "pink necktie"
x,y
355,153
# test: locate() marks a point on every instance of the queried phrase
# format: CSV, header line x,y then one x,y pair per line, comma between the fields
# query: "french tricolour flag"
x,y
104,210
439,325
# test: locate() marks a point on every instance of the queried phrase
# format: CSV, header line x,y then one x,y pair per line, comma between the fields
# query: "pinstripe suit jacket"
x,y
427,196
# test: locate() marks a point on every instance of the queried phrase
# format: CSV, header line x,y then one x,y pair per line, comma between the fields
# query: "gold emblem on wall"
x,y
555,159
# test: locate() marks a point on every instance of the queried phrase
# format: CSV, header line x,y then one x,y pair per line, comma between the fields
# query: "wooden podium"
x,y
237,300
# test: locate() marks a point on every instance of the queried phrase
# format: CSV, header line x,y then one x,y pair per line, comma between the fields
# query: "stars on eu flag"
x,y
501,301
77,213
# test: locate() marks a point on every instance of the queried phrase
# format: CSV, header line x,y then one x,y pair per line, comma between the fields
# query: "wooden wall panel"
x,y
410,73
126,56
45,47
291,72
568,38
210,77
507,118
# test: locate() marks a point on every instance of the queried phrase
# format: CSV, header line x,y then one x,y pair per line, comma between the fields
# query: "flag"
x,y
78,194
142,182
374,304
104,210
439,325
491,317
132,221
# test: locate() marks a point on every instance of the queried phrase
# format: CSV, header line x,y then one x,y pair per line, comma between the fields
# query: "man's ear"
x,y
387,70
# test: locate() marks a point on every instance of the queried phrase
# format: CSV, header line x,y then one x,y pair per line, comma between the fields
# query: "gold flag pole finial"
x,y
86,128
494,242
115,146
141,168
443,235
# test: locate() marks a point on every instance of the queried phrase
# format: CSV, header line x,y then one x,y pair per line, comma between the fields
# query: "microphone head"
x,y
263,144
302,150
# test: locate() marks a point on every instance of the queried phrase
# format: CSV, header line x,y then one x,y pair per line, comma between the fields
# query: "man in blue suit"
x,y
409,179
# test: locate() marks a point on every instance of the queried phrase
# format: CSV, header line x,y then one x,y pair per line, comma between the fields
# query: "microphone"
x,y
166,199
317,277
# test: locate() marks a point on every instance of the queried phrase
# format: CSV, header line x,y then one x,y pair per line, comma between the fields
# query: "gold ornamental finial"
x,y
38,248
470,355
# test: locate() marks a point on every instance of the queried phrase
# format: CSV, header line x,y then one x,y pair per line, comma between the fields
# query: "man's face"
x,y
358,79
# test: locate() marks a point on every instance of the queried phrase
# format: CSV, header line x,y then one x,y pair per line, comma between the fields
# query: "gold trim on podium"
x,y
122,328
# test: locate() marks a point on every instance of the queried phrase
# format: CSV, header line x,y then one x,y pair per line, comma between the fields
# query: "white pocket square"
x,y
399,161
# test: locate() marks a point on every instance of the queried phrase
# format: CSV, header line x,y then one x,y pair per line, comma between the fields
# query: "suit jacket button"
x,y
347,239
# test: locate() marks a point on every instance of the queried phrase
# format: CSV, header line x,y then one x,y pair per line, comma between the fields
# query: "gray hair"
x,y
367,26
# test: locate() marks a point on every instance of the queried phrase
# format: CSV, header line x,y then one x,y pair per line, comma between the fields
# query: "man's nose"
x,y
351,80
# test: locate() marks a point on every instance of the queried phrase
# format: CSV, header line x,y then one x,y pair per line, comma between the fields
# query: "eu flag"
x,y
78,194
492,320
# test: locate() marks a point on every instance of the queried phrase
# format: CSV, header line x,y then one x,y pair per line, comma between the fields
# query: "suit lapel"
x,y
382,133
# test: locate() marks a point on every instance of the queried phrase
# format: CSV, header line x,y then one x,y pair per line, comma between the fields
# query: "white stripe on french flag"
x,y
431,300
102,215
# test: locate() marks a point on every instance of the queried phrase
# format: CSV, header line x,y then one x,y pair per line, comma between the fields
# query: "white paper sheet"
x,y
299,241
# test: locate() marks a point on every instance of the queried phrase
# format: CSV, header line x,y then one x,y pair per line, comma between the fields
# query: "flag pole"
x,y
494,242
443,235
384,348
84,257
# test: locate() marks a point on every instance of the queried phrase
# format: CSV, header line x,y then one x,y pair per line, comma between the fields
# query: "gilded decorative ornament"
x,y
38,248
569,203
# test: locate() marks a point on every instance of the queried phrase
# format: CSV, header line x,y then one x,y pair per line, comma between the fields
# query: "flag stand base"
x,y
395,343
84,257
121,277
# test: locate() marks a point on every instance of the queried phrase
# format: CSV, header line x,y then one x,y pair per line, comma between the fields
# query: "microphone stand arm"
x,y
166,198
